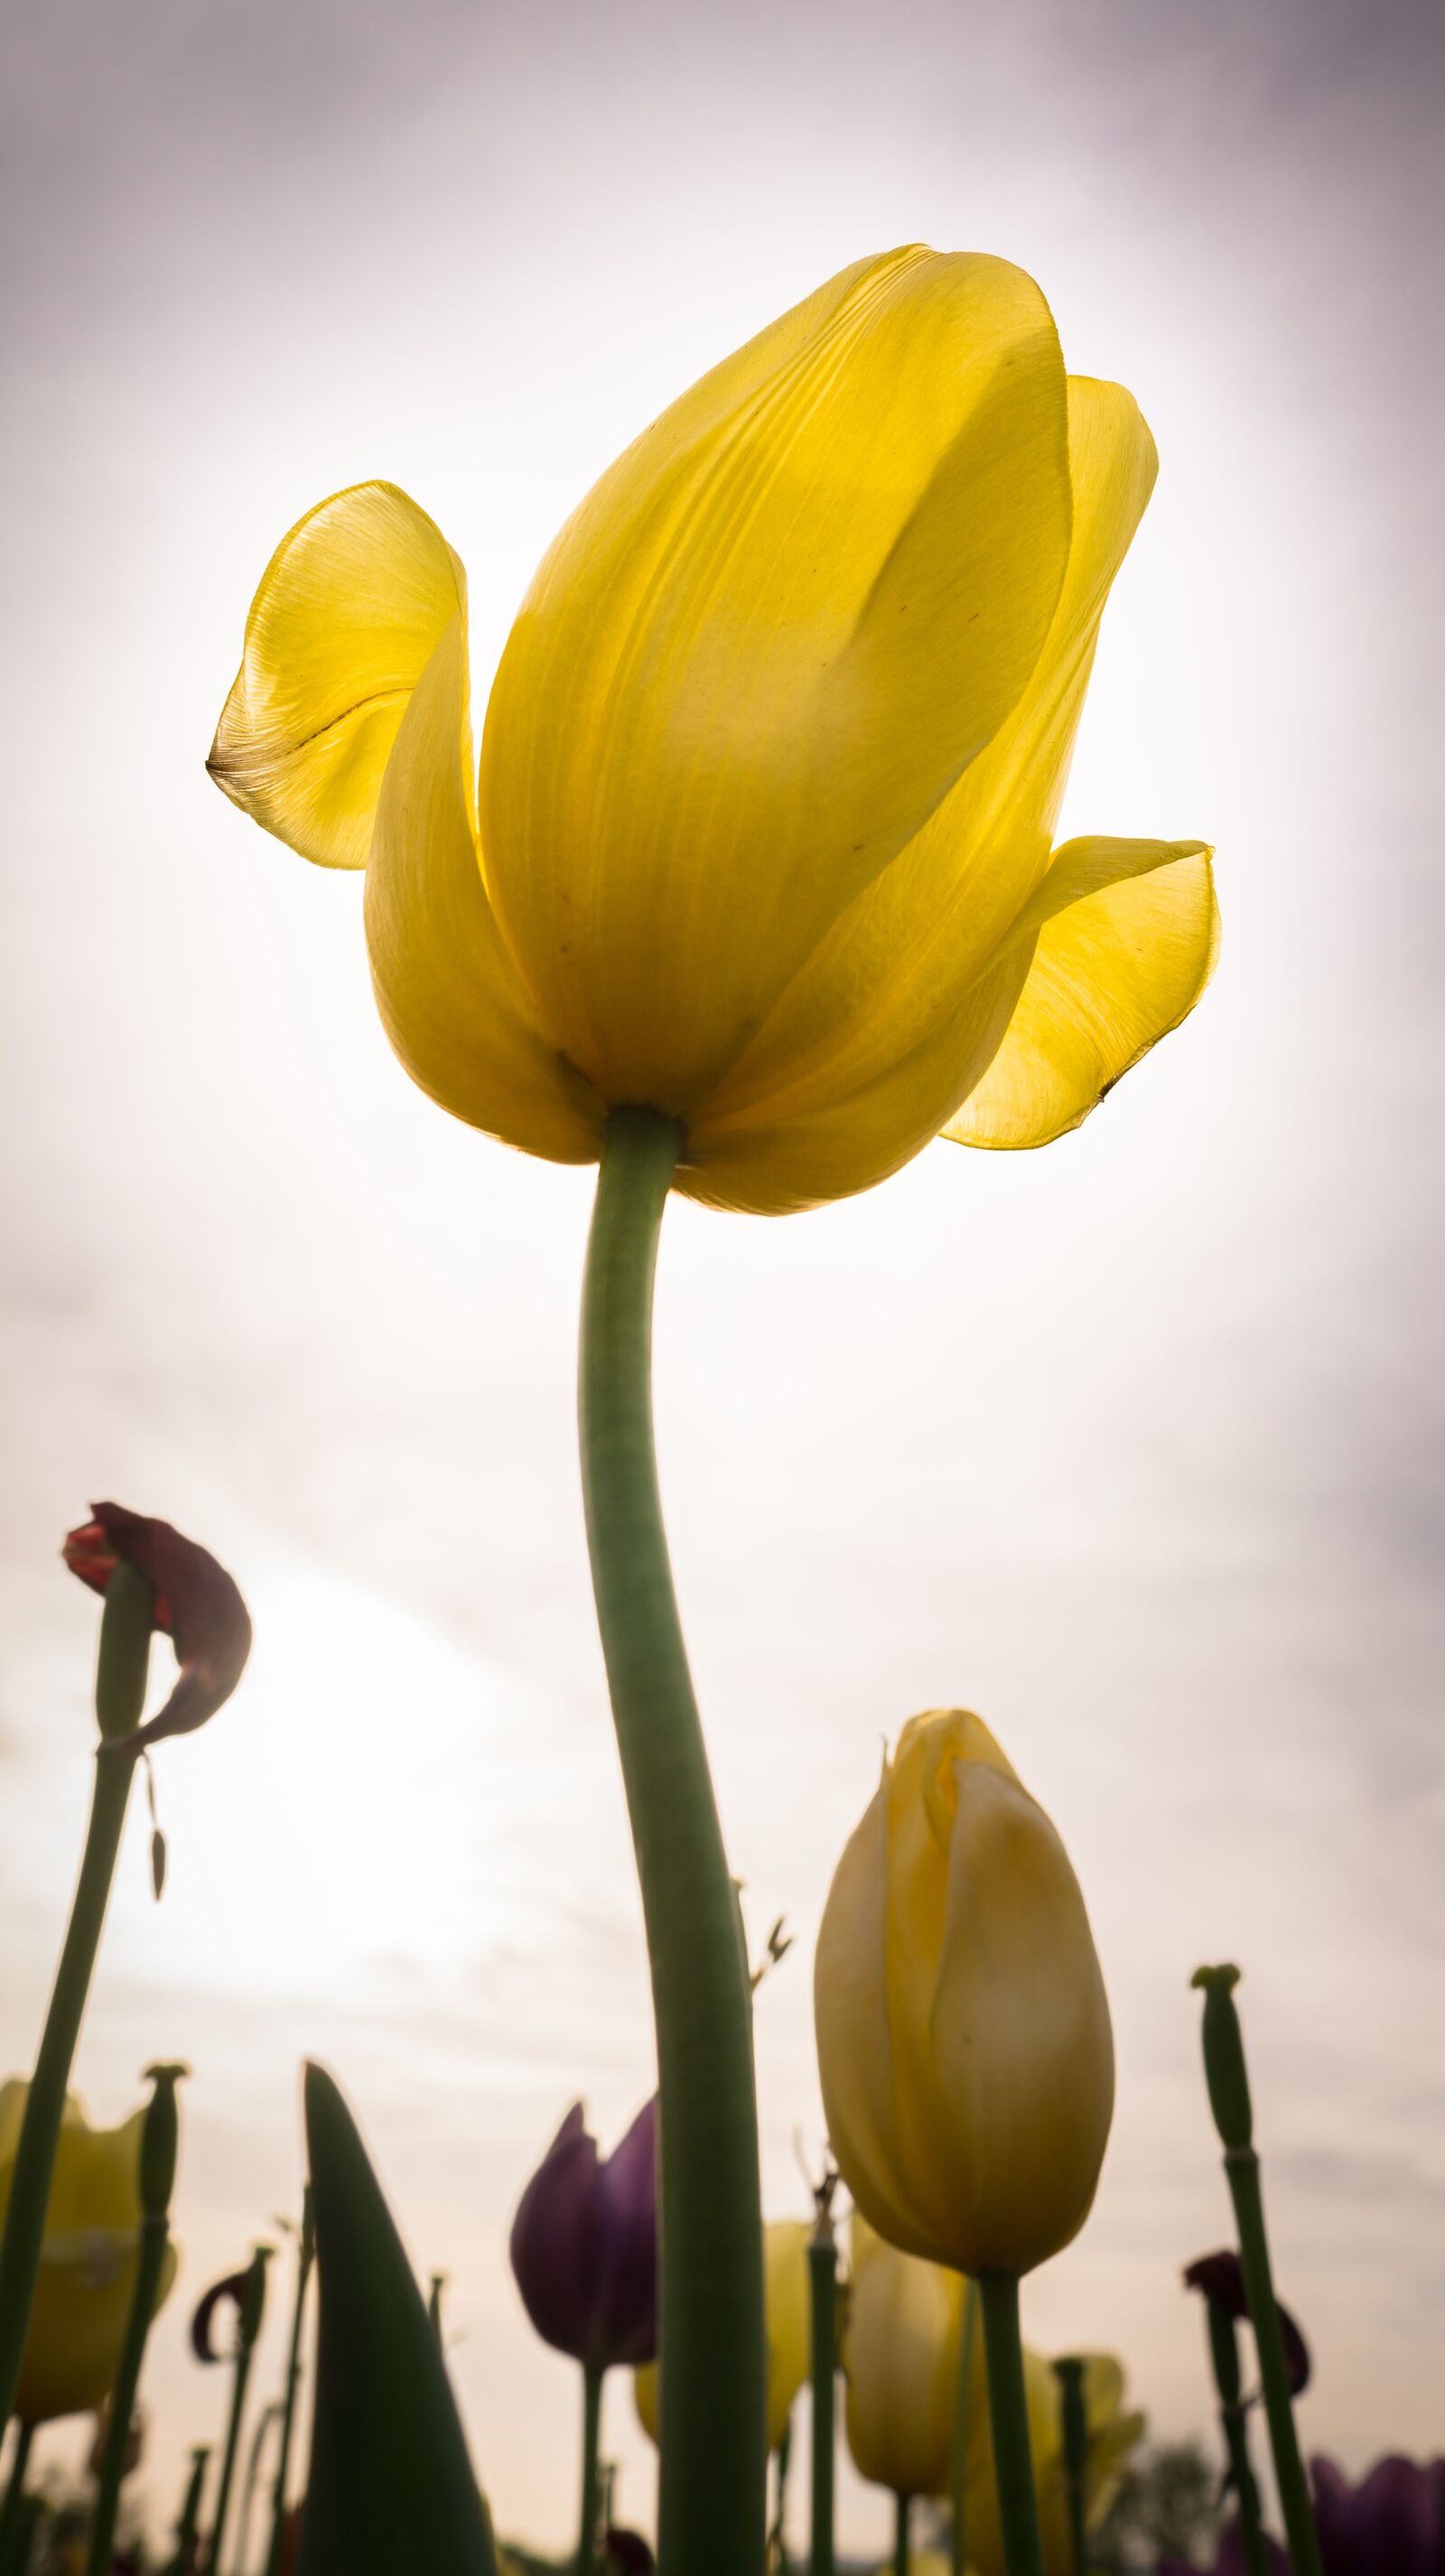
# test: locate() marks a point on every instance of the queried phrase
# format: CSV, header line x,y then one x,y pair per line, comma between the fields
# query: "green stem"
x,y
713,2472
1018,2505
186,2528
269,2415
591,2482
13,2509
154,2234
228,2458
1224,2356
823,2282
1070,2376
903,2513
1241,2165
306,2258
45,2102
961,2409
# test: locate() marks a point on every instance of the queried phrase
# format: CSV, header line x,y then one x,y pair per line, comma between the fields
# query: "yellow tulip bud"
x,y
786,2299
87,2274
901,2360
963,2031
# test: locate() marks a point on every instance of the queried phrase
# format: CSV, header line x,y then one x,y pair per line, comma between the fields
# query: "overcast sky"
x,y
1133,1445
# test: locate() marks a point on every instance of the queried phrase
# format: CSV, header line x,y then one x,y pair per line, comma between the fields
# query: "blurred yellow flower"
x,y
901,2361
963,2031
763,835
1113,2432
88,2263
786,2298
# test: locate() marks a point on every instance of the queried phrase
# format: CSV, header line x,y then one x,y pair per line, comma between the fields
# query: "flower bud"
x,y
584,2244
1225,2071
160,2140
900,2360
964,2043
193,1601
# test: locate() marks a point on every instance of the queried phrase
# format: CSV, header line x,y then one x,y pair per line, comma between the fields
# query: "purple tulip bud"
x,y
584,2244
1221,2278
1391,2524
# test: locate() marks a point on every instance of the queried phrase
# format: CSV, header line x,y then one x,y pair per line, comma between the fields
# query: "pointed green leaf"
x,y
391,2486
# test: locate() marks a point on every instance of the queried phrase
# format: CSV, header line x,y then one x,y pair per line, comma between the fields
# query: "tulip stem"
x,y
962,2395
1070,2376
1008,2409
591,2481
1224,2353
1241,2165
306,2257
903,2516
12,2511
242,2372
823,2281
712,2507
125,1632
184,2559
154,2237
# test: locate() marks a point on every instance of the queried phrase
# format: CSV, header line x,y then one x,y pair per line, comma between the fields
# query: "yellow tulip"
x,y
901,2361
88,2264
786,2297
1113,2432
963,2031
763,834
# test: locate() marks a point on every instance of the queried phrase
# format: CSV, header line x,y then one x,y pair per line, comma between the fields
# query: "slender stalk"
x,y
154,2236
125,1632
1224,2353
778,2532
1070,2376
182,2562
12,2511
306,2257
903,2515
961,2410
241,2373
1241,2166
823,2283
591,2480
713,2469
269,2416
1013,2465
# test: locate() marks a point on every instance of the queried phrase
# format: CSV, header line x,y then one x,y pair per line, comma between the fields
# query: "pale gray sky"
x,y
1134,1444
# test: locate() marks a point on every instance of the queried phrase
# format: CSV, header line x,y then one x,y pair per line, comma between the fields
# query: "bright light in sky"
x,y
1131,1445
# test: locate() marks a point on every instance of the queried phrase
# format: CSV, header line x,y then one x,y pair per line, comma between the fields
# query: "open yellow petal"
x,y
350,610
451,1000
1127,939
902,1004
763,651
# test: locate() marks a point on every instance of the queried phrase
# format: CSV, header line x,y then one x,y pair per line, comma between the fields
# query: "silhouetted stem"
x,y
1241,2166
823,2282
154,2234
968,2336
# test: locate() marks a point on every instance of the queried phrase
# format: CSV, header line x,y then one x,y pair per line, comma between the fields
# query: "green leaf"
x,y
391,2486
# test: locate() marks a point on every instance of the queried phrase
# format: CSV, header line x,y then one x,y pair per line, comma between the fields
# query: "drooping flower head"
x,y
1220,2277
762,834
195,1603
584,2244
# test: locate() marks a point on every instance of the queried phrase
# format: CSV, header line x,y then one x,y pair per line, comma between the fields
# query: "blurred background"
x,y
1133,1445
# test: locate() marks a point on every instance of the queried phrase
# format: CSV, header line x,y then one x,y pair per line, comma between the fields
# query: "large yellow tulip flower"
x,y
763,834
1113,2431
786,2301
88,2264
901,2362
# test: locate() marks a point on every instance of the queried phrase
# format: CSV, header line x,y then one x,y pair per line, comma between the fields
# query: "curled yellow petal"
x,y
1127,939
349,611
451,1000
761,653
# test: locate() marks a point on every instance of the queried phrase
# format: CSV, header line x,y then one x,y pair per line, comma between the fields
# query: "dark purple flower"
x,y
1391,2524
1221,2278
196,1604
628,2552
584,2244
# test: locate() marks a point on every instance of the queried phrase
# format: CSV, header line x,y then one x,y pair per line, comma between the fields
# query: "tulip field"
x,y
730,871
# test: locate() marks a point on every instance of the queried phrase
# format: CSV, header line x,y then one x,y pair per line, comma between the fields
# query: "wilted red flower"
x,y
232,2292
584,2244
1221,2278
628,2552
196,1605
1391,2524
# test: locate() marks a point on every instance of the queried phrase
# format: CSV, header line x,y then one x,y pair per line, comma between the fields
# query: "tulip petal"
x,y
902,1005
349,612
450,998
900,2358
763,650
1128,938
787,2292
851,2018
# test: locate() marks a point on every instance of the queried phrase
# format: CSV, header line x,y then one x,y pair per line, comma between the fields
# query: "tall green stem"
x,y
713,2470
968,2336
1070,2376
189,2524
1013,2465
154,2235
125,1634
591,2482
1224,2353
305,2259
902,2525
1241,2166
823,2283
242,2372
12,2511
